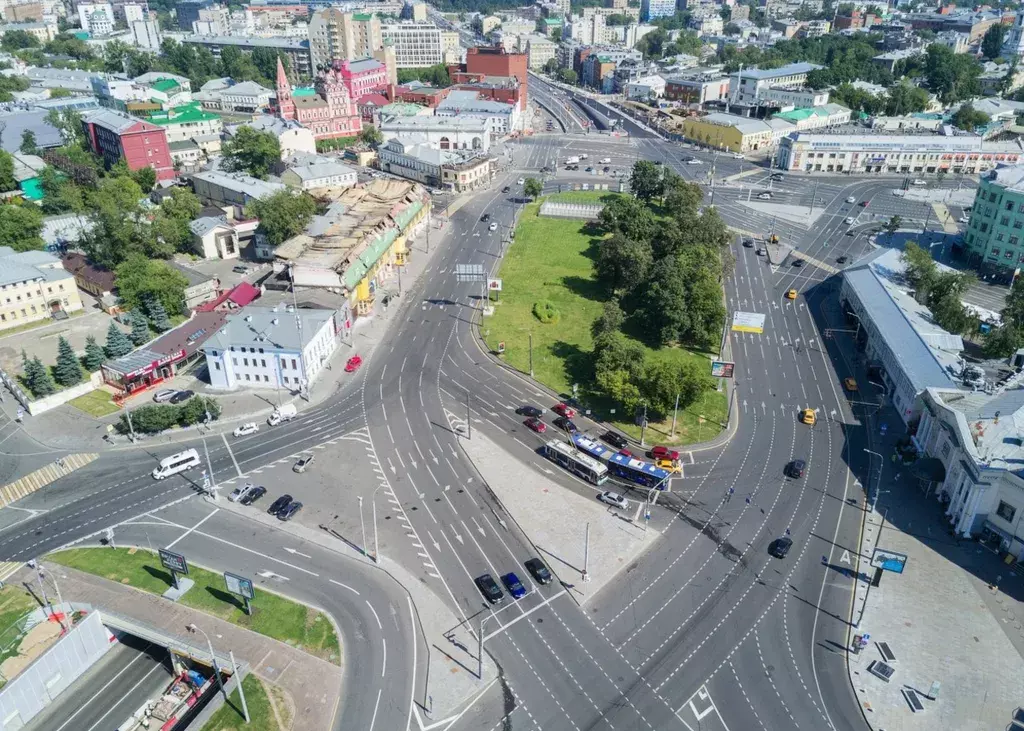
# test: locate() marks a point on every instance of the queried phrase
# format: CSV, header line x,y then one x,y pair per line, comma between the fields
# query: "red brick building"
x,y
486,64
416,93
117,136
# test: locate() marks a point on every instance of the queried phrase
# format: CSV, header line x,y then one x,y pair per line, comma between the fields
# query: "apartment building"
x,y
415,44
33,286
747,85
117,136
335,35
295,49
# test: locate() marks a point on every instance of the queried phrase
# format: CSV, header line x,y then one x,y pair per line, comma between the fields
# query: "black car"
x,y
253,495
280,504
615,439
777,176
851,232
748,243
506,189
289,510
486,217
531,411
538,571
842,260
489,588
780,547
182,396
795,469
606,168
566,424
798,262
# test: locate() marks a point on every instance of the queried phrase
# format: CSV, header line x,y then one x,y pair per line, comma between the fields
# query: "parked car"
x,y
780,547
538,570
353,363
531,411
615,439
288,512
514,585
536,425
843,259
795,469
764,195
239,269
562,410
182,396
253,495
280,504
493,227
303,463
246,429
566,424
489,588
614,499
165,395
660,452
240,492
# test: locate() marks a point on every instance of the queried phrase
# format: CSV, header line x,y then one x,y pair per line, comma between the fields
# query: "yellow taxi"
x,y
791,294
808,417
850,384
668,464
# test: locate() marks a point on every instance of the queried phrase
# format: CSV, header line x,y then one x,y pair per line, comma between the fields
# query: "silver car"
x,y
166,395
241,491
614,499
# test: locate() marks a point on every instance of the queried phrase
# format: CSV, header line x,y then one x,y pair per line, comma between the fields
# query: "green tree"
x,y
550,66
968,118
951,76
157,314
21,226
251,151
645,180
68,370
145,177
94,355
992,41
120,227
140,328
665,379
36,377
619,367
893,225
611,318
60,194
371,136
265,61
139,278
150,419
69,123
623,264
945,302
568,76
904,98
282,215
1003,341
629,216
532,188
15,40
118,343
28,143
171,222
7,181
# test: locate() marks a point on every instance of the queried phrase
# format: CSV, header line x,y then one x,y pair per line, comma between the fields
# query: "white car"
x,y
493,227
849,221
246,429
241,491
521,181
766,196
166,395
613,498
851,199
919,183
694,161
963,219
737,156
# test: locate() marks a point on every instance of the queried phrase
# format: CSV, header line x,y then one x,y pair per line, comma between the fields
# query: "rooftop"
x,y
253,187
188,337
28,266
324,169
788,70
184,114
295,44
743,124
273,328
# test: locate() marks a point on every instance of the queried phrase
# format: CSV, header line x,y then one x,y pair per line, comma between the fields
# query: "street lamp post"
x,y
213,659
373,504
881,464
362,524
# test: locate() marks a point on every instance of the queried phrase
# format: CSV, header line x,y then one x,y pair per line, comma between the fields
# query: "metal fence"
x,y
580,211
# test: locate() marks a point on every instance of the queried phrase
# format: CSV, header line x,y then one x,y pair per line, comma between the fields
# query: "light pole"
x,y
881,464
241,692
60,602
373,504
213,659
362,525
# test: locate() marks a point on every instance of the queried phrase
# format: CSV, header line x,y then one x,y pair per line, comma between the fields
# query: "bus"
x,y
579,464
627,468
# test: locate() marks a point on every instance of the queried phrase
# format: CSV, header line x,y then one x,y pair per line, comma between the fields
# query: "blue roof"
x,y
639,466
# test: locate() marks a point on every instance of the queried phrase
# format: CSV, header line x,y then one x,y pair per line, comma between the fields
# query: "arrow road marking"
x,y
271,575
437,546
296,553
392,466
457,536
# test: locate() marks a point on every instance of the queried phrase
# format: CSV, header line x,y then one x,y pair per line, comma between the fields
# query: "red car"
x,y
863,204
660,452
353,364
562,410
625,453
537,425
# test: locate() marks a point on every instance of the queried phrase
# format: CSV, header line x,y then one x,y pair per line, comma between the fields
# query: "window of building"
x,y
984,228
1000,237
1009,205
1004,221
995,252
1008,254
216,365
294,366
247,377
234,362
286,379
1014,240
1006,511
266,379
245,361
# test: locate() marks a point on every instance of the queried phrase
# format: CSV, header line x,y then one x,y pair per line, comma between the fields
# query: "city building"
x,y
221,237
328,109
291,135
91,279
146,34
457,171
320,173
187,12
502,118
42,32
538,49
729,131
214,20
278,348
819,117
443,133
33,286
222,189
190,122
906,351
25,12
96,19
117,136
996,229
698,88
353,247
295,49
363,76
494,65
415,44
645,88
877,153
224,95
335,35
747,85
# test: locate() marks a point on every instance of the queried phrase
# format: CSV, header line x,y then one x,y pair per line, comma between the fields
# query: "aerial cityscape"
x,y
490,365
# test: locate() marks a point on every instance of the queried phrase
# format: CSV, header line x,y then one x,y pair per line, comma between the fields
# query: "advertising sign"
x,y
889,560
722,368
239,585
748,322
494,285
174,562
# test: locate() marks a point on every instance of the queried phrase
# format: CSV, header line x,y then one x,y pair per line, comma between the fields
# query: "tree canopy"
x,y
140,279
282,215
968,118
251,151
21,226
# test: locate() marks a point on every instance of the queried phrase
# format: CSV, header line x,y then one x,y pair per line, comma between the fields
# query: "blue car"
x,y
514,585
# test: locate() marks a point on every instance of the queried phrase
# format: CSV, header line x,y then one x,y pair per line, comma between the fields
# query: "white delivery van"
x,y
605,160
176,463
571,160
583,156
285,413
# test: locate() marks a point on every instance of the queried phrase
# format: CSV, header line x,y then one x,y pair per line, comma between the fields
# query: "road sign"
x,y
239,585
494,285
889,560
173,562
748,322
722,368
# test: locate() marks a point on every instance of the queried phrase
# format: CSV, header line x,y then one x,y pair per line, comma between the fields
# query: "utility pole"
x,y
399,268
131,428
814,197
241,691
531,354
586,554
469,422
362,524
213,658
675,413
643,425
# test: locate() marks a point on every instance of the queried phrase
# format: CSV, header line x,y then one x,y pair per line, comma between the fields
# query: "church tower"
x,y
285,103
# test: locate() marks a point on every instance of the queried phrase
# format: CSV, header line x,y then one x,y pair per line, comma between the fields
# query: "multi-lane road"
x,y
705,630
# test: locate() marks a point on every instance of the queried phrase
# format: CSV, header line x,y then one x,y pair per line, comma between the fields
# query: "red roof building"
x,y
234,299
496,62
117,136
369,106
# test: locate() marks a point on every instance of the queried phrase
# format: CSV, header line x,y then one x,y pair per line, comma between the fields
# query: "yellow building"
x,y
729,131
33,286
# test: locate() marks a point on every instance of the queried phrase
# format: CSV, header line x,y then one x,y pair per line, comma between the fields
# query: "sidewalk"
x,y
314,685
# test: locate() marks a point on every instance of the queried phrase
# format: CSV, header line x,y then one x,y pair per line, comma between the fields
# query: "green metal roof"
x,y
303,91
358,269
181,115
362,17
796,115
166,85
32,189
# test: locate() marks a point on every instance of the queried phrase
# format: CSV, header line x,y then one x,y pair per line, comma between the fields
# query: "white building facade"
x,y
96,19
415,44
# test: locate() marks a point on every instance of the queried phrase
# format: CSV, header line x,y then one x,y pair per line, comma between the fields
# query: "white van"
x,y
605,160
176,463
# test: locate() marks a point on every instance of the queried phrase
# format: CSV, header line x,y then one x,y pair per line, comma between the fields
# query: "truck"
x,y
571,160
282,414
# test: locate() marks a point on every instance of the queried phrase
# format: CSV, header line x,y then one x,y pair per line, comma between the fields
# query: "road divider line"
x,y
190,530
231,454
524,615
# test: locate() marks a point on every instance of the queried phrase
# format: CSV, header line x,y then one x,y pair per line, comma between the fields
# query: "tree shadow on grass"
x,y
584,287
160,574
578,364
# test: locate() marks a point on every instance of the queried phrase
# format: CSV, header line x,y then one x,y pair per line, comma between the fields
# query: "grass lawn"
x,y
96,403
15,602
272,615
583,196
549,261
229,716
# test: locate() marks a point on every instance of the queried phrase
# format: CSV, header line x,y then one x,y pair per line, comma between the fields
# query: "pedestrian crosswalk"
x,y
44,476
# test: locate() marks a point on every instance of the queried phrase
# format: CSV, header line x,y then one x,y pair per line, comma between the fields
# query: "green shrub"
x,y
546,312
155,418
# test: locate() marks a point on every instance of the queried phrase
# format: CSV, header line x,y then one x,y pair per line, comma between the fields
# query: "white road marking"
x,y
183,535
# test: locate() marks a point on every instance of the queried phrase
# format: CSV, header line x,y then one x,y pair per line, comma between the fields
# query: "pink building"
x,y
328,111
117,136
364,76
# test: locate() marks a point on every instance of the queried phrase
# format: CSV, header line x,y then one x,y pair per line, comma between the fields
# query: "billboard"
x,y
239,585
889,560
174,562
722,368
748,322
